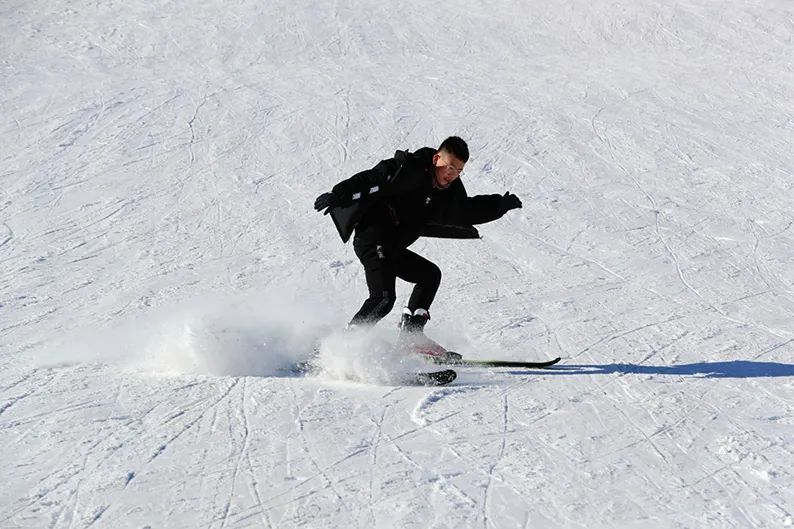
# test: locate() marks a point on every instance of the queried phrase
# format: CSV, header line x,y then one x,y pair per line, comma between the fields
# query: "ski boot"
x,y
413,324
412,338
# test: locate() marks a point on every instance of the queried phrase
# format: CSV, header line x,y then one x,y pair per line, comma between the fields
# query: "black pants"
x,y
383,264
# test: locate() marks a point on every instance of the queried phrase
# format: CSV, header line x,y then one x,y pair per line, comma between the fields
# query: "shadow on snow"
x,y
731,369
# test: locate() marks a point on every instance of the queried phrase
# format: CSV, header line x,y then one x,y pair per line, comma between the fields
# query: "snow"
x,y
162,266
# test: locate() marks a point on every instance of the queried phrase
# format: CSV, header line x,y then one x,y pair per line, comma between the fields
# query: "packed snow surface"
x,y
163,269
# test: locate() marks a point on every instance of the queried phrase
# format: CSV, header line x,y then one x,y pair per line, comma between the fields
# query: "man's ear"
x,y
436,157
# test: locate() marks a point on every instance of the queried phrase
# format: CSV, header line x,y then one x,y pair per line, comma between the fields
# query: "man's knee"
x,y
434,274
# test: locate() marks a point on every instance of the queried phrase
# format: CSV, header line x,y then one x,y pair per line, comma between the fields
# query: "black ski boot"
x,y
412,326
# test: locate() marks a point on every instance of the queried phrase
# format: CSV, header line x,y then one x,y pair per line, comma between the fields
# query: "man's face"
x,y
447,169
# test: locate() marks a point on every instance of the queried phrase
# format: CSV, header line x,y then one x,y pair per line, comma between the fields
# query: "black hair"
x,y
457,147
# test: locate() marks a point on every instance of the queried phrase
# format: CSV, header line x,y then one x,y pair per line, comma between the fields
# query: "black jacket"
x,y
395,201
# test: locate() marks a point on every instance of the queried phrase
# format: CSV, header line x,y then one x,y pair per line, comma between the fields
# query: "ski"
x,y
432,378
495,363
435,353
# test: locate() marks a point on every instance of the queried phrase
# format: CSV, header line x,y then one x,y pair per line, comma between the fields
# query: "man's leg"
x,y
414,268
379,272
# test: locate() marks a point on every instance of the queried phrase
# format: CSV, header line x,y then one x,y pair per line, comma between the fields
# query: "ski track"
x,y
487,493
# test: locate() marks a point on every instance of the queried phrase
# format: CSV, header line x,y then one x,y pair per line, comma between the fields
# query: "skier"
x,y
393,204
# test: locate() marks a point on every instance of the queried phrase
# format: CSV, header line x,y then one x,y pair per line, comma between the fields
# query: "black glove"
x,y
509,201
326,201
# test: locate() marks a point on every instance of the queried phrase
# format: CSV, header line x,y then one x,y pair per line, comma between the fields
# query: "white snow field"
x,y
163,267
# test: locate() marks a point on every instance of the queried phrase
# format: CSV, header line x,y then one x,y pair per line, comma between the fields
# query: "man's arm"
x,y
480,209
362,184
365,183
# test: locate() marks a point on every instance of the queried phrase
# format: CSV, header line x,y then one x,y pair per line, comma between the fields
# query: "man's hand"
x,y
326,201
509,201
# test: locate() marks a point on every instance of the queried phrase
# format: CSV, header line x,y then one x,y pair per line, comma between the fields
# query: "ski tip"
x,y
434,378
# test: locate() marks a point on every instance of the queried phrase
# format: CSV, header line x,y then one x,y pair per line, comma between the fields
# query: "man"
x,y
393,204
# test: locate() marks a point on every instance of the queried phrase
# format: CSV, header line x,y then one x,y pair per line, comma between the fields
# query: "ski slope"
x,y
162,265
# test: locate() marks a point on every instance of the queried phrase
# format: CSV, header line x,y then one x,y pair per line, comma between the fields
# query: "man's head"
x,y
448,162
